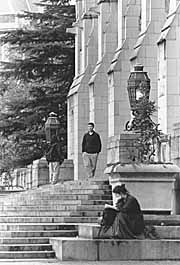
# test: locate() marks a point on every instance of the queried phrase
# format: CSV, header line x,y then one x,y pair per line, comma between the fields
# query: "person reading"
x,y
125,218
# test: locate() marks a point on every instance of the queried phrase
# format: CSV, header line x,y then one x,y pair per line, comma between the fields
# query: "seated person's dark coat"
x,y
129,220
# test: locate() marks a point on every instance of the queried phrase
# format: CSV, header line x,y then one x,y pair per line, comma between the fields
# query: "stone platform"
x,y
88,247
156,186
57,262
108,249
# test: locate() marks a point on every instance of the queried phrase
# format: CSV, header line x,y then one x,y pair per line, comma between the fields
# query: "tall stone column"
x,y
145,49
78,28
98,87
118,105
78,97
168,71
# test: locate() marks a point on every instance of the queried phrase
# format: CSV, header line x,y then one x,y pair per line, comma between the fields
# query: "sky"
x,y
7,6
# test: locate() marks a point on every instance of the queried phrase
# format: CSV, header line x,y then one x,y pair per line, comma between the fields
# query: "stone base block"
x,y
66,171
122,148
156,186
108,249
40,172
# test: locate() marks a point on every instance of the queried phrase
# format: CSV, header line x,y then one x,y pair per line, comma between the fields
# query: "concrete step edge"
x,y
49,260
111,240
45,252
39,231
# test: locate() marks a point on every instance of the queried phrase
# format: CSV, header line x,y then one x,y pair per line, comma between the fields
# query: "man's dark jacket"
x,y
91,143
54,153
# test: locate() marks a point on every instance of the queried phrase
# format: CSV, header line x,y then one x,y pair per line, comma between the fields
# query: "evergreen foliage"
x,y
149,134
36,79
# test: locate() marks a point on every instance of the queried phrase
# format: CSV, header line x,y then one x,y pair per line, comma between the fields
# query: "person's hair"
x,y
91,123
120,189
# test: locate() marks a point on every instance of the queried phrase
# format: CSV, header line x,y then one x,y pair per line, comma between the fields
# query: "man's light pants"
x,y
90,162
54,172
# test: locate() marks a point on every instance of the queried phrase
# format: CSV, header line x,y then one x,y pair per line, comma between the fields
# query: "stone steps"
x,y
26,260
24,240
57,189
52,197
35,226
55,202
25,247
59,207
56,195
35,213
149,219
43,233
84,184
29,219
66,197
53,219
52,213
21,255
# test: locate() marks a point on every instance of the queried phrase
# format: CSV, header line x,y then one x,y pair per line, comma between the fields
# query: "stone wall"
x,y
168,71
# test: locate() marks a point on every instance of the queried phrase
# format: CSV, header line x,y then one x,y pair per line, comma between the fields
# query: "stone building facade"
x,y
111,37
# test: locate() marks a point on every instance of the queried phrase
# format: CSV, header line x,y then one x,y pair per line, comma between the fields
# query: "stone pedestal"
x,y
20,178
156,186
66,171
122,148
29,177
40,172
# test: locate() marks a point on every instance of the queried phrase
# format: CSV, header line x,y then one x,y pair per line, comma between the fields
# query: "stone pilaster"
x,y
98,87
145,50
118,73
168,73
40,172
78,97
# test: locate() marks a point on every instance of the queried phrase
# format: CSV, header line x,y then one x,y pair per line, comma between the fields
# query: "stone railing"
x,y
175,144
37,174
163,153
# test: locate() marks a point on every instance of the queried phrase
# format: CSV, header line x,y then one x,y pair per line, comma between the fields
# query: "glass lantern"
x,y
52,127
138,86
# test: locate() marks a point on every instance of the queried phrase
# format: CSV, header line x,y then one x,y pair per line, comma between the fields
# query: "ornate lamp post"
x,y
138,91
142,109
52,126
138,86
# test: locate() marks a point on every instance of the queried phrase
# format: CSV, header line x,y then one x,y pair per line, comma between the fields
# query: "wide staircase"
x,y
61,221
29,219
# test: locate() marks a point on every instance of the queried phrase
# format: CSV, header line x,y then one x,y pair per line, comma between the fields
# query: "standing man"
x,y
91,147
54,158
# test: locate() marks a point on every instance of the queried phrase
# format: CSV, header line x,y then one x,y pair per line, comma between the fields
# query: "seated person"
x,y
128,221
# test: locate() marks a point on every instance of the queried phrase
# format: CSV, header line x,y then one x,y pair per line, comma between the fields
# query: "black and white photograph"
x,y
89,132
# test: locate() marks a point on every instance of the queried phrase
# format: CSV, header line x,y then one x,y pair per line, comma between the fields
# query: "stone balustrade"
x,y
37,174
